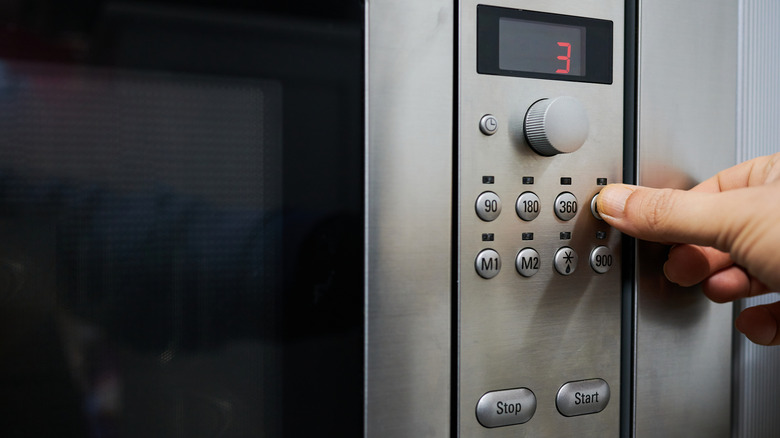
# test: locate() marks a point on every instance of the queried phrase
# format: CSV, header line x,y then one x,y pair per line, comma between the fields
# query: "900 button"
x,y
601,259
505,408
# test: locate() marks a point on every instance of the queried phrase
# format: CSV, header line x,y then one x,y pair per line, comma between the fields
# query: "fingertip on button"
x,y
594,207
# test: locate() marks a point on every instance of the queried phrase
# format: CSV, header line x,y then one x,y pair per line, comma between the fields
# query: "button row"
x,y
528,206
517,406
528,261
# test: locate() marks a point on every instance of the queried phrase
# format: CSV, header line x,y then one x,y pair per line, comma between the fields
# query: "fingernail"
x,y
612,199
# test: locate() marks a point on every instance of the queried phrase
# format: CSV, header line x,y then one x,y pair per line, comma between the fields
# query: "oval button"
x,y
582,397
505,408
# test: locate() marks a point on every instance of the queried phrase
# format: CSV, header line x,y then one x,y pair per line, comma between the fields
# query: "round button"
x,y
593,208
556,126
488,264
488,206
527,206
565,260
601,259
488,124
566,206
527,262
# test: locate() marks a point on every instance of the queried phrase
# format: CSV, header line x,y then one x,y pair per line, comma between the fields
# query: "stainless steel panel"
x,y
544,331
686,133
756,381
409,205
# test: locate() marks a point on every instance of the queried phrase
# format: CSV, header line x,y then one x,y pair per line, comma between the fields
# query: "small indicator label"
x,y
527,180
565,235
565,181
488,179
601,181
528,236
488,237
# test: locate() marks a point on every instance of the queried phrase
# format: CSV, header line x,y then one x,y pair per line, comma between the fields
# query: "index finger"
x,y
667,215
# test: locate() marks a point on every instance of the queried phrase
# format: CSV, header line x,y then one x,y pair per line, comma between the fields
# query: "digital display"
x,y
541,47
517,42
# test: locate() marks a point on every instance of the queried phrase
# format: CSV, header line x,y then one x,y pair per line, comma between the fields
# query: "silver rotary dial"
x,y
556,126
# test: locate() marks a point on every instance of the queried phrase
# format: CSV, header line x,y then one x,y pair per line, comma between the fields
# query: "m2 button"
x,y
505,408
582,397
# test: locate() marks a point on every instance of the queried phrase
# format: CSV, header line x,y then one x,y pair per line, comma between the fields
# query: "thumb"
x,y
670,216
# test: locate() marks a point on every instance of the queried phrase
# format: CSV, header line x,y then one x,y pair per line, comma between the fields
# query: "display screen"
x,y
541,47
515,42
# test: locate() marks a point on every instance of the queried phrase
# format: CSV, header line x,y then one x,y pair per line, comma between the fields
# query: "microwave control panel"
x,y
540,132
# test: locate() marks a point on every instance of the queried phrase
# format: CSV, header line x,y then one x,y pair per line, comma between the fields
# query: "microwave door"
x,y
182,203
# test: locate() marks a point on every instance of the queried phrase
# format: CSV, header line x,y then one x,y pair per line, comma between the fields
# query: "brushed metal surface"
x,y
686,133
756,380
408,207
544,331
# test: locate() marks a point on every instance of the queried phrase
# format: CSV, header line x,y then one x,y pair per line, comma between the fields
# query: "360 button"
x,y
505,408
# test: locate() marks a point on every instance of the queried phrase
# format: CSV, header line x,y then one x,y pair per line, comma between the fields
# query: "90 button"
x,y
488,206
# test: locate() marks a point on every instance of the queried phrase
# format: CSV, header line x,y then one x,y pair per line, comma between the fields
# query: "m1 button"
x,y
505,408
488,263
582,397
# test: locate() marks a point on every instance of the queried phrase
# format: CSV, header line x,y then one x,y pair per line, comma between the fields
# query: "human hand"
x,y
725,231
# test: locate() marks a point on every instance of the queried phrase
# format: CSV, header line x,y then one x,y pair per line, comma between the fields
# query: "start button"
x,y
582,397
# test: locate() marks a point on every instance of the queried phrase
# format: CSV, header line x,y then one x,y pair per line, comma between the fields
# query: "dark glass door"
x,y
181,218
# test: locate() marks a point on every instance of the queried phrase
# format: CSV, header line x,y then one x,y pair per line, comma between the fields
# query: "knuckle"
x,y
772,169
658,208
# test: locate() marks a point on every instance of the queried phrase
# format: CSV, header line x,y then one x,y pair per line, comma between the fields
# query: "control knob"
x,y
556,126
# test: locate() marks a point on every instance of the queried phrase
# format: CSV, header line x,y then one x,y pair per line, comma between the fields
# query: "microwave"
x,y
368,217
